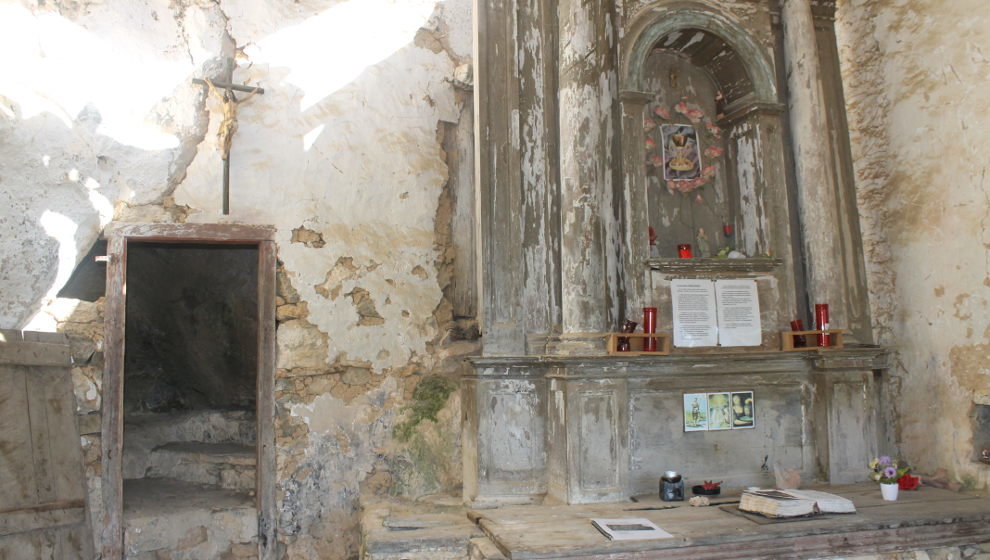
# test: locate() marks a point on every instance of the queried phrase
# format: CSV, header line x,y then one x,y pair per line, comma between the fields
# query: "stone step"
x,y
226,465
179,520
145,432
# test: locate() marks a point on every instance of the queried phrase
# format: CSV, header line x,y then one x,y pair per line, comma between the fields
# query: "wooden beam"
x,y
266,402
113,399
193,233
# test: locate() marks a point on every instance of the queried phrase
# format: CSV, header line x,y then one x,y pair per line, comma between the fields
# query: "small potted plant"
x,y
888,471
708,488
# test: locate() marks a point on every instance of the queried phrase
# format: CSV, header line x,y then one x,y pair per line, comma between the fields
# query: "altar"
x,y
598,429
629,149
941,523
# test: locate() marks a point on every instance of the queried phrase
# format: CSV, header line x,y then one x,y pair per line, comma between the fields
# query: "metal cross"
x,y
228,126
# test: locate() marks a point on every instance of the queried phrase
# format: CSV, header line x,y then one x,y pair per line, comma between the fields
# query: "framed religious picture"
x,y
695,412
719,415
681,153
743,410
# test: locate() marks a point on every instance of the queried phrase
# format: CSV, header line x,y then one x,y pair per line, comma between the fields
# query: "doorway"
x,y
188,387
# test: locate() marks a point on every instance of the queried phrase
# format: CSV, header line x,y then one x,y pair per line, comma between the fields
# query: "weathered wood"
x,y
715,267
41,472
266,413
18,486
28,349
45,516
113,393
919,520
500,195
815,175
192,233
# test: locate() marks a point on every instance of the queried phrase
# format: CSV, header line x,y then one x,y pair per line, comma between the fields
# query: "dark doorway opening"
x,y
188,390
190,393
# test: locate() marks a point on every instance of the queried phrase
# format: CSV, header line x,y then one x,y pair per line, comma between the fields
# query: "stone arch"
x,y
667,18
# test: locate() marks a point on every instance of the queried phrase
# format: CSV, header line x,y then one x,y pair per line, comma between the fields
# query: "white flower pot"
x,y
889,491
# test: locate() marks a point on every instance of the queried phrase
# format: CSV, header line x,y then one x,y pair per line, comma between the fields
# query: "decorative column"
x,y
587,93
817,197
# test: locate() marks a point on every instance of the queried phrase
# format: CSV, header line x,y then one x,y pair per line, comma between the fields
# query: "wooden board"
x,y
811,343
919,520
663,346
42,485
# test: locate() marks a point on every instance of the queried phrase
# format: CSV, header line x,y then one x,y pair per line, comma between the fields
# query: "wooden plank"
x,y
923,519
17,474
266,402
49,517
192,233
45,351
41,450
48,506
113,399
14,335
67,471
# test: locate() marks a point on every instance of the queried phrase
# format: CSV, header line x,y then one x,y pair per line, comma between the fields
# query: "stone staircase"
x,y
189,485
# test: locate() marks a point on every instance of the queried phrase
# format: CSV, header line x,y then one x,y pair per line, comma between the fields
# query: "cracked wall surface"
x,y
100,122
915,78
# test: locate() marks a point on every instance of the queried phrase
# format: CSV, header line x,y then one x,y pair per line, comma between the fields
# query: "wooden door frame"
x,y
118,237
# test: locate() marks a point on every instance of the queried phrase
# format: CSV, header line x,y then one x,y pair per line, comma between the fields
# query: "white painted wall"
x,y
99,121
916,76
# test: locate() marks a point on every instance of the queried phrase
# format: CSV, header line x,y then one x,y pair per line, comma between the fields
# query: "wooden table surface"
x,y
926,518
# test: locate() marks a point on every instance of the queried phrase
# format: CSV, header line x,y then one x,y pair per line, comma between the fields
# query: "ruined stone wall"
x,y
915,77
346,153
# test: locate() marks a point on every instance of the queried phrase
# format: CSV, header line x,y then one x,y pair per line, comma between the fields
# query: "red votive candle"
x,y
684,251
728,230
649,327
798,325
821,324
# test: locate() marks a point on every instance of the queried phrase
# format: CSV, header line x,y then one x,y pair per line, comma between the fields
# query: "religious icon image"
x,y
719,414
681,154
695,412
743,410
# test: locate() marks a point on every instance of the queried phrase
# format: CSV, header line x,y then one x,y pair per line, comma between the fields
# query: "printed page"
x,y
693,303
738,313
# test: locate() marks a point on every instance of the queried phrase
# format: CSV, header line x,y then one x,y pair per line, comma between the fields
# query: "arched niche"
x,y
696,55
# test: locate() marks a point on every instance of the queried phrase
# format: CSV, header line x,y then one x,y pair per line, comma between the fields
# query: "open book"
x,y
630,529
793,503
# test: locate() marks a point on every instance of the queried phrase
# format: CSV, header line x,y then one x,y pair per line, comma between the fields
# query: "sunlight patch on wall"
x,y
61,68
328,51
63,230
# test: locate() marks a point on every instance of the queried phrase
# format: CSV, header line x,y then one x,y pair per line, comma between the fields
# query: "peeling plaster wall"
x,y
916,87
99,122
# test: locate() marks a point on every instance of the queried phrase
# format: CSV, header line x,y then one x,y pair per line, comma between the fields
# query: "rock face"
x,y
918,135
358,152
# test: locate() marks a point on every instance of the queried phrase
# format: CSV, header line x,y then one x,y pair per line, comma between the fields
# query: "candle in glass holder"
x,y
821,324
728,230
649,327
684,251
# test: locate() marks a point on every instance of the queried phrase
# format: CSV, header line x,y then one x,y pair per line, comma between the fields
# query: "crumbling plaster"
x,y
916,90
100,122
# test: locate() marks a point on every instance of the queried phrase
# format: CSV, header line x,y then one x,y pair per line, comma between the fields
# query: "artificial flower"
x,y
908,482
714,151
887,470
